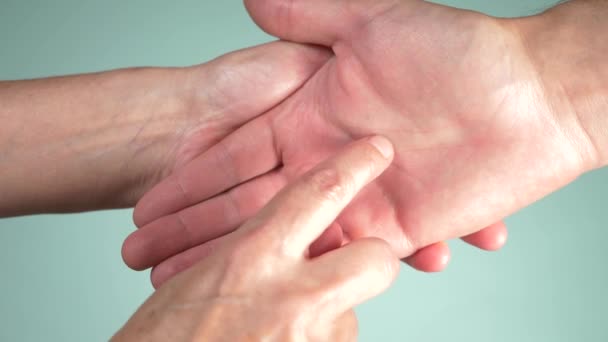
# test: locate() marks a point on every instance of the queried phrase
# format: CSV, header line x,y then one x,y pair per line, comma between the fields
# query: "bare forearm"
x,y
83,142
569,46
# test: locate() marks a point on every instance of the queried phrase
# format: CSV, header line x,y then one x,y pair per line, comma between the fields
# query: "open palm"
x,y
451,89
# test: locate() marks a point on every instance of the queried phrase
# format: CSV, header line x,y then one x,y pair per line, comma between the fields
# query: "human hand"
x,y
219,96
104,139
419,97
261,284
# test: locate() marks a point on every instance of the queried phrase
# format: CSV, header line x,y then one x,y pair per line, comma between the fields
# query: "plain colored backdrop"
x,y
62,278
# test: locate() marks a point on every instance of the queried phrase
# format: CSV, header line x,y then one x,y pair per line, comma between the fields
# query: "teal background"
x,y
62,277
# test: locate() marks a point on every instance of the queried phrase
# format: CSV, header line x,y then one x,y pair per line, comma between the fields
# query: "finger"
x,y
175,233
331,239
229,97
352,274
491,238
435,258
312,21
301,212
245,154
430,259
178,263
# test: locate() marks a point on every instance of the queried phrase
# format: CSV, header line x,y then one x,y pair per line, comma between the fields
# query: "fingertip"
x,y
262,10
164,198
129,253
384,251
383,145
318,197
150,205
431,259
157,278
161,273
137,216
146,209
302,21
491,238
500,239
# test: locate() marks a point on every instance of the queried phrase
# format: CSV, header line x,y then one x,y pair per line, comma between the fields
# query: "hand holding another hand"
x,y
261,283
485,114
453,90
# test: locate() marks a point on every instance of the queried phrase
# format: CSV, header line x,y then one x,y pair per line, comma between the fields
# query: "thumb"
x,y
320,22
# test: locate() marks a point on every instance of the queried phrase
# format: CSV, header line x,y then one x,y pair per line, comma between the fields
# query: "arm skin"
x,y
568,45
487,115
100,141
83,142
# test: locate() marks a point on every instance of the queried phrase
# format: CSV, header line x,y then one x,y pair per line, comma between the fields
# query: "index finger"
x,y
302,211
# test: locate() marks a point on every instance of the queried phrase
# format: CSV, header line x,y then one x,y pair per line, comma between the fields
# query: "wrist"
x,y
567,50
156,110
86,142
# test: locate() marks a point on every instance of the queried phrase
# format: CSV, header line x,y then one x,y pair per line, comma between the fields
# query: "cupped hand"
x,y
261,283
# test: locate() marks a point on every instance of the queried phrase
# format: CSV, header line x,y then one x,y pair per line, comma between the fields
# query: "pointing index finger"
x,y
303,210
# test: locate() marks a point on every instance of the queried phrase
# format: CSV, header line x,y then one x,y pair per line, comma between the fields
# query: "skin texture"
x,y
261,285
100,141
478,129
568,50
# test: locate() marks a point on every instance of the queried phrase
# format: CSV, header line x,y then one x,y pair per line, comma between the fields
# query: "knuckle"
x,y
182,188
232,207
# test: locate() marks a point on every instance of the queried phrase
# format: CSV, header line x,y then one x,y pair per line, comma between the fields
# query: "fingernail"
x,y
382,145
